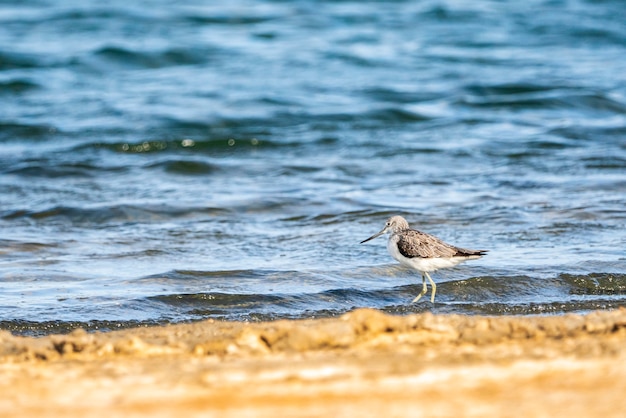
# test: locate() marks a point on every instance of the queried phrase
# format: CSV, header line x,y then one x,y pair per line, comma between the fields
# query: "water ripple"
x,y
162,162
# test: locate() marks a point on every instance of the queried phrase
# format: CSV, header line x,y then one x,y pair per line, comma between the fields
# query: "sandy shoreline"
x,y
364,363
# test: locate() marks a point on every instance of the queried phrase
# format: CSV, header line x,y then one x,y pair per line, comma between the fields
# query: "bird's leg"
x,y
434,286
423,292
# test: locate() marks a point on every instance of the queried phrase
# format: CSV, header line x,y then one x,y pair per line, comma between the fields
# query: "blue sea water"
x,y
164,162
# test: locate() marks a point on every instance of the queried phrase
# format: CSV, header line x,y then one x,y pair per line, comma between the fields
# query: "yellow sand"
x,y
364,363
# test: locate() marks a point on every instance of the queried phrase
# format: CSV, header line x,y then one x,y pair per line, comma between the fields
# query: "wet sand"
x,y
364,363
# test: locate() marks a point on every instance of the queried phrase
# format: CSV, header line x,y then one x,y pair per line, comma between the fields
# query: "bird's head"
x,y
393,224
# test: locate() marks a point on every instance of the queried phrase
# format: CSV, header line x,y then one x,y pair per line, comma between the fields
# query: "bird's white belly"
x,y
424,264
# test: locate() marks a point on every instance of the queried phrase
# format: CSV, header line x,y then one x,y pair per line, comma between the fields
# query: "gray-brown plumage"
x,y
412,243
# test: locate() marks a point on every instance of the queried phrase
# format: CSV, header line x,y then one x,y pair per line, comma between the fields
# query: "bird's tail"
x,y
463,252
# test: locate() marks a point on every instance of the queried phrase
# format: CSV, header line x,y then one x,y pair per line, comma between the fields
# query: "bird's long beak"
x,y
375,235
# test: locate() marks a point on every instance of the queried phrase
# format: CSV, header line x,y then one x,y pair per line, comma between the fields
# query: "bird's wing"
x,y
413,244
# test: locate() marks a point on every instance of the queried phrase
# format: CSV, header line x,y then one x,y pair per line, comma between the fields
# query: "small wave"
x,y
184,167
508,89
383,94
439,12
608,162
595,283
356,60
382,116
532,308
193,276
236,19
212,145
206,145
497,97
118,213
17,86
134,59
393,115
599,35
200,302
12,60
76,15
524,295
331,218
516,287
19,131
592,133
56,171
236,306
13,246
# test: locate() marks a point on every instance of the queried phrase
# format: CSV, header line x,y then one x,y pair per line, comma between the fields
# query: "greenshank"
x,y
422,252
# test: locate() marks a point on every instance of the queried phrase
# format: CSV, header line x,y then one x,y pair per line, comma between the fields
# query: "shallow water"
x,y
163,163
